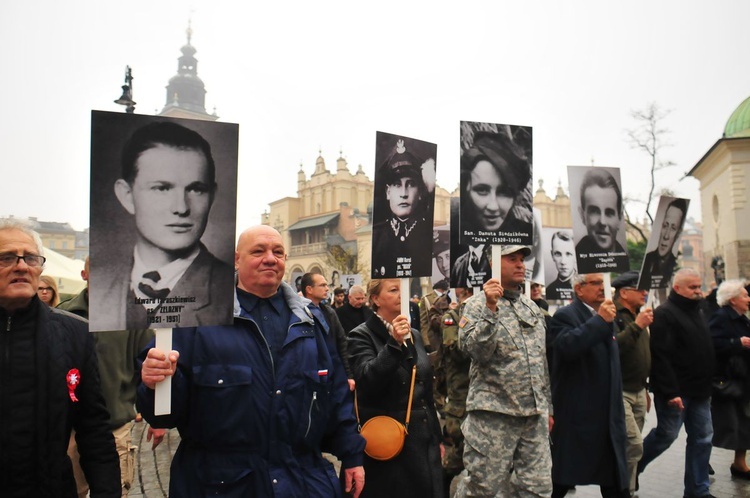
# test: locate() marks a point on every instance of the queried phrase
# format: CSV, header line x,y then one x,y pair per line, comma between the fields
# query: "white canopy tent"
x,y
65,271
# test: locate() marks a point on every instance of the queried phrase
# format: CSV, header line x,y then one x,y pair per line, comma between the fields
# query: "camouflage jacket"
x,y
509,371
456,365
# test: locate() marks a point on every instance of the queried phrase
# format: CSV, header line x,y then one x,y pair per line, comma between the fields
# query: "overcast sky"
x,y
304,76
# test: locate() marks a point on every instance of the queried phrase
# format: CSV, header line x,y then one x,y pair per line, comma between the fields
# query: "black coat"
x,y
589,432
727,328
682,352
382,370
63,343
350,317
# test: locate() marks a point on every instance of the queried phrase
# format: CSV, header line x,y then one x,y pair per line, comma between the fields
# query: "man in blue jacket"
x,y
257,401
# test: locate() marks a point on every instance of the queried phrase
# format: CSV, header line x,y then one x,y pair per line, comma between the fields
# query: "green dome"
x,y
738,124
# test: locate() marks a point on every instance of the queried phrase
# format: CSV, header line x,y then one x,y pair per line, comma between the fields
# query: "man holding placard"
x,y
509,402
257,401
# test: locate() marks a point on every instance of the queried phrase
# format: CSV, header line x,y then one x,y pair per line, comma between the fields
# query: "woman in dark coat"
x,y
730,329
383,351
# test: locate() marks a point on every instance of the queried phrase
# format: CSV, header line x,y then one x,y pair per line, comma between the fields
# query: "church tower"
x,y
186,93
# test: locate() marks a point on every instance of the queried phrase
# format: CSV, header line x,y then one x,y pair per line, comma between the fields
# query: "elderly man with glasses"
x,y
588,440
50,384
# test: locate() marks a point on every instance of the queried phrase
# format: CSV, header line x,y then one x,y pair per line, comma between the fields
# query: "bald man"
x,y
254,401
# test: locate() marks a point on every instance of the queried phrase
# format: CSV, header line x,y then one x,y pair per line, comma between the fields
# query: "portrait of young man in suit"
x,y
168,186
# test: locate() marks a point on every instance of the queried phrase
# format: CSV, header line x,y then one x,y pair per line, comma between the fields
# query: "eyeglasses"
x,y
32,260
634,289
44,289
595,283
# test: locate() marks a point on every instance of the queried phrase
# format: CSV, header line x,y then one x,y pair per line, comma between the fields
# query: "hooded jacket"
x,y
253,424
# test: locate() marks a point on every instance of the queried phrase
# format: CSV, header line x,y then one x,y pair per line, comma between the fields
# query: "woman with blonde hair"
x,y
383,352
47,291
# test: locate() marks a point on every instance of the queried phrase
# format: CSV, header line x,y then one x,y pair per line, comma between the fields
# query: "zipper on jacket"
x,y
309,412
268,348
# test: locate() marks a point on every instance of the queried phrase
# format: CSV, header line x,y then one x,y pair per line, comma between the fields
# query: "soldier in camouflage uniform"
x,y
456,367
507,426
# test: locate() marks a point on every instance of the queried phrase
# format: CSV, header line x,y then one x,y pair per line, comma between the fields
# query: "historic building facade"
x,y
724,175
327,227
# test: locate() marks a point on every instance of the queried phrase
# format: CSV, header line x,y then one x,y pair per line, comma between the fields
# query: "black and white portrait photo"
x,y
349,281
535,260
598,222
403,207
661,251
496,193
559,262
441,254
163,200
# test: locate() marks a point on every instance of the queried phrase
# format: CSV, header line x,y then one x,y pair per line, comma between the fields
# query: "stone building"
x,y
186,93
327,227
724,175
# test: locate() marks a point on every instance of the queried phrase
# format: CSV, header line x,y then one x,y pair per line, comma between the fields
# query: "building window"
x,y
51,244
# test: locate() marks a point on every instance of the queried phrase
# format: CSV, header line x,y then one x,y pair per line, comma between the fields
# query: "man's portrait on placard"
x,y
349,281
598,221
441,254
535,260
559,262
163,202
403,207
496,190
663,245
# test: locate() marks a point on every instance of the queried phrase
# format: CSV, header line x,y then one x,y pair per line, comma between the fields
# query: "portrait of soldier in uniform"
x,y
403,206
167,187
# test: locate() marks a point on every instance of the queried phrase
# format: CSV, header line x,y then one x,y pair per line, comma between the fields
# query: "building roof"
x,y
317,221
738,124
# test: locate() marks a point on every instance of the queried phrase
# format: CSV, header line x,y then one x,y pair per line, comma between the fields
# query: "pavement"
x,y
662,479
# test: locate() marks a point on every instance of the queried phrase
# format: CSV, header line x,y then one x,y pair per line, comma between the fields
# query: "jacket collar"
x,y
297,304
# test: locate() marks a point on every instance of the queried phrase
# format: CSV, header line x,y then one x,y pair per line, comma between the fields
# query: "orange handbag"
x,y
385,435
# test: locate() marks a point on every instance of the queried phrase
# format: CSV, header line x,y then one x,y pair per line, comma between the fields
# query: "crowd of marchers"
x,y
500,397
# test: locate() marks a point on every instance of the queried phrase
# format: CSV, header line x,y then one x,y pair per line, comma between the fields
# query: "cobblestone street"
x,y
662,479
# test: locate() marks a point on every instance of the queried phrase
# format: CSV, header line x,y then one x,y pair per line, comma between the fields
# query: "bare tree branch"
x,y
650,137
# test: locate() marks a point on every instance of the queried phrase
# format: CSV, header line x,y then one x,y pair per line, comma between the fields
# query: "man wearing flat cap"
x,y
494,173
509,402
399,240
635,361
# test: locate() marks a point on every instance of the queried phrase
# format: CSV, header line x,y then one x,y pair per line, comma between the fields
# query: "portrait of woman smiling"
x,y
495,174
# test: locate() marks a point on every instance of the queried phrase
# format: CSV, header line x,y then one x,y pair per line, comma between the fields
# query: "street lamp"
x,y
126,98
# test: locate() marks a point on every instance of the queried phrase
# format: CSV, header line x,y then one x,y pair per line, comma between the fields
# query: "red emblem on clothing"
x,y
73,378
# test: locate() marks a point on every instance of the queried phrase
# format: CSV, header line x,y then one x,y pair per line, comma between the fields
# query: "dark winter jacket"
x,y
682,352
65,360
589,432
350,317
253,424
635,350
727,329
116,350
382,370
337,330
